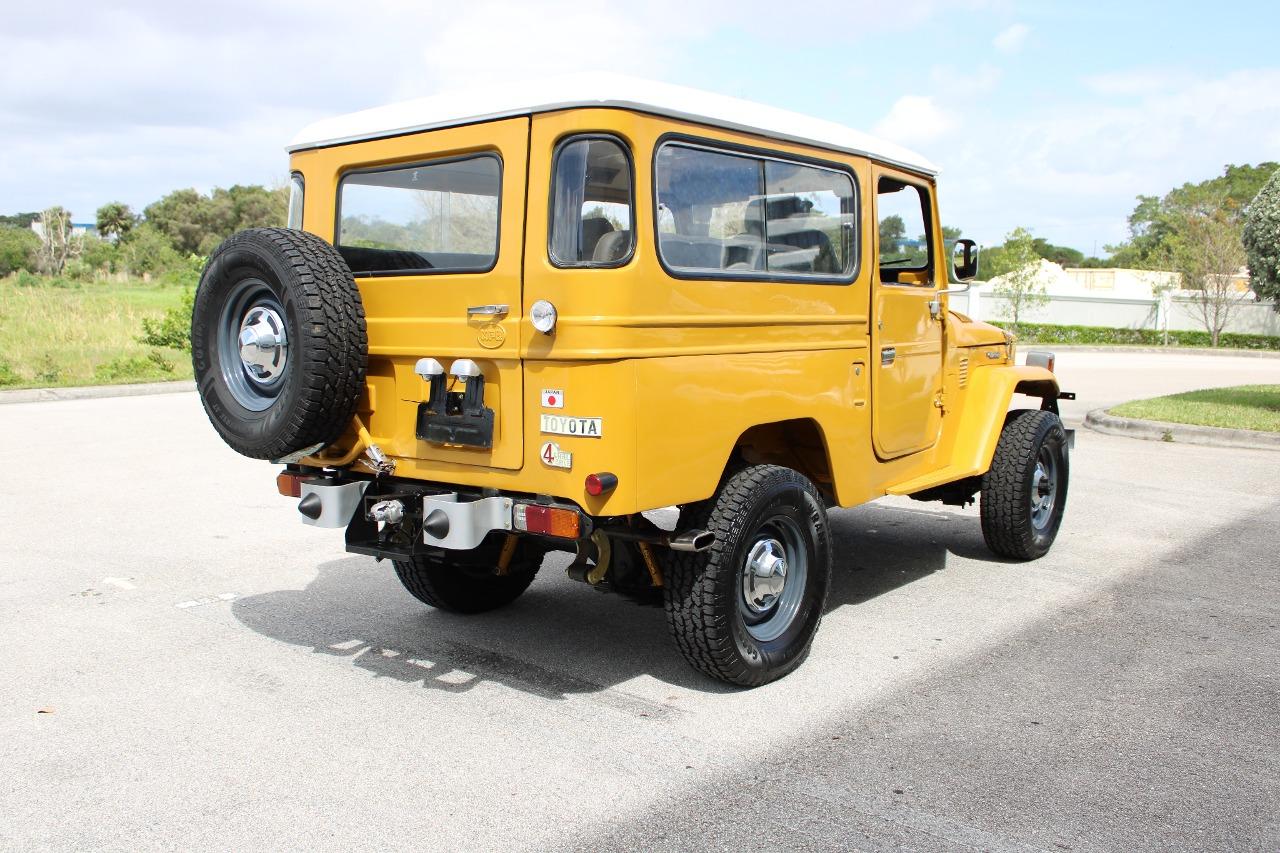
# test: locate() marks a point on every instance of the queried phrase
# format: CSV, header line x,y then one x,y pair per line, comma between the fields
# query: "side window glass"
x,y
906,254
726,212
591,205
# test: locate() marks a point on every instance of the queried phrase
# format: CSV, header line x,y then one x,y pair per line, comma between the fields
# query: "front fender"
x,y
987,400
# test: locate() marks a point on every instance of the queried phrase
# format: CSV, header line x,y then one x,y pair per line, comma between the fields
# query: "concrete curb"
x,y
1226,353
93,392
1100,420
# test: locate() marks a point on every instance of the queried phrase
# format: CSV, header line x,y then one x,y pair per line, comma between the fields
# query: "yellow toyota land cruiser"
x,y
511,322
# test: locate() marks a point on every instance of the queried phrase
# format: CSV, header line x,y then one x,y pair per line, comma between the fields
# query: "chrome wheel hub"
x,y
263,344
1044,489
764,576
253,344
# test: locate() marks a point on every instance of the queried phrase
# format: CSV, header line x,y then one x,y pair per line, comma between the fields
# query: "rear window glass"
x,y
739,214
431,217
591,204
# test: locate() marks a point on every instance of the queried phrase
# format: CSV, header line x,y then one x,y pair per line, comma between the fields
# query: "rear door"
x,y
436,241
906,336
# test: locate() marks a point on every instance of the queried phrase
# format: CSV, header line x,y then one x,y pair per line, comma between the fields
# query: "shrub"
x,y
18,249
133,368
1043,333
7,374
173,330
1262,240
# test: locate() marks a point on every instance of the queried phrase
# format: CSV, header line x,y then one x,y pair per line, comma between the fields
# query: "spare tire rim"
x,y
253,344
773,579
1044,488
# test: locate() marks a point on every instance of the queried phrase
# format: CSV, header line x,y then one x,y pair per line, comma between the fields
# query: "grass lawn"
x,y
84,335
1242,407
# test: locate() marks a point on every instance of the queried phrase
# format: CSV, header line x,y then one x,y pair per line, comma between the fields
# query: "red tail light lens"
x,y
598,484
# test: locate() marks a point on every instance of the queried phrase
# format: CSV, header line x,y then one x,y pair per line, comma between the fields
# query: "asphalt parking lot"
x,y
188,667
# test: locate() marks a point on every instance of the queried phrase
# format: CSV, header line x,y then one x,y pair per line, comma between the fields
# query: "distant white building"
x,y
1115,283
78,229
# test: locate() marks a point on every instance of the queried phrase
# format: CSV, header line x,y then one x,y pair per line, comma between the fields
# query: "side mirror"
x,y
964,259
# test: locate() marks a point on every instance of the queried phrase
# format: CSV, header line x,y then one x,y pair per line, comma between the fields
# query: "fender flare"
x,y
986,402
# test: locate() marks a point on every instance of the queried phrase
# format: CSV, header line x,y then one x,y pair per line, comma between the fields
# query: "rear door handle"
x,y
487,310
887,355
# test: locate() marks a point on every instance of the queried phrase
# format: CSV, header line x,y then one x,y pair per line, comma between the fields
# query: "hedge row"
x,y
1043,333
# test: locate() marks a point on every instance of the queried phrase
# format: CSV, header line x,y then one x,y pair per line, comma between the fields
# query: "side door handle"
x,y
887,355
488,310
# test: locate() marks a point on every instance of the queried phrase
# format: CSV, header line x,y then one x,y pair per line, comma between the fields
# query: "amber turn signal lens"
x,y
289,484
546,519
598,484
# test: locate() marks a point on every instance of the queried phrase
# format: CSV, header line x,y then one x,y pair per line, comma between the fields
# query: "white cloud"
x,y
963,82
1075,173
1139,81
1011,38
914,119
131,99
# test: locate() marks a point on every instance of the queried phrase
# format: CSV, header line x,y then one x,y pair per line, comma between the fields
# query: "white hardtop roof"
x,y
526,97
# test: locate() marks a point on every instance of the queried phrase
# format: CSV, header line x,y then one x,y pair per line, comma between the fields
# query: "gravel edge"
x,y
93,392
1100,420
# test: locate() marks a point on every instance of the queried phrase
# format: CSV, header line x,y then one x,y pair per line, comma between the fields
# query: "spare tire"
x,y
278,343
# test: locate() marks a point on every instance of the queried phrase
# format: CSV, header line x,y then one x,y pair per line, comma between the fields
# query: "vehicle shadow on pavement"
x,y
562,637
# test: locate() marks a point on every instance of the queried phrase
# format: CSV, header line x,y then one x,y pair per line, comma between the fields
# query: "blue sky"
x,y
1051,116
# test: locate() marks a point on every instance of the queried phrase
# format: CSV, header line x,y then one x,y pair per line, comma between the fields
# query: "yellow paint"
x,y
681,372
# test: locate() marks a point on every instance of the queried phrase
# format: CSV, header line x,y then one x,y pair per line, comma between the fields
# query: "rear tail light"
x,y
550,520
598,484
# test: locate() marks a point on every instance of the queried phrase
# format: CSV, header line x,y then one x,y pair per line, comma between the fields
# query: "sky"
x,y
1053,116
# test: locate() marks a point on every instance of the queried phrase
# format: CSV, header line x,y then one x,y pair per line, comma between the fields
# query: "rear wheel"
x,y
1024,493
471,581
746,610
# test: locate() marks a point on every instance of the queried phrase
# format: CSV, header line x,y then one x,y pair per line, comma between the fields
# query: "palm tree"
x,y
115,220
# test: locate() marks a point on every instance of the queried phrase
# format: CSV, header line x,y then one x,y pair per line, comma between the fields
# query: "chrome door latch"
x,y
488,310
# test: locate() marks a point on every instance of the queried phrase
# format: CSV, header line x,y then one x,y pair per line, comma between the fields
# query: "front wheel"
x,y
746,610
1024,493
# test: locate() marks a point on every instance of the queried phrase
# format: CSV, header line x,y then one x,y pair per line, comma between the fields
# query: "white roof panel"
x,y
601,90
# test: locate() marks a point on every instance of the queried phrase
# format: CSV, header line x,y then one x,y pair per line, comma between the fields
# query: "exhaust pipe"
x,y
688,540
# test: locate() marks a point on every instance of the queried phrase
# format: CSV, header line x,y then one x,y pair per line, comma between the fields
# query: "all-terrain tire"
x,y
309,288
467,582
704,592
1024,493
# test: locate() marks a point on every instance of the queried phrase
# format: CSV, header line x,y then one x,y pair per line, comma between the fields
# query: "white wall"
x,y
1251,318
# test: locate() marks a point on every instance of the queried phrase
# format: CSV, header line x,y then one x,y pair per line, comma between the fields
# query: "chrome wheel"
x,y
1044,488
253,344
773,579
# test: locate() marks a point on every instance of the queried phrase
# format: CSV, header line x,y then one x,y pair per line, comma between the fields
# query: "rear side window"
x,y
591,204
431,217
743,215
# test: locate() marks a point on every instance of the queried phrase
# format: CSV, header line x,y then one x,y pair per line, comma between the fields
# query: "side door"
x,y
435,236
906,357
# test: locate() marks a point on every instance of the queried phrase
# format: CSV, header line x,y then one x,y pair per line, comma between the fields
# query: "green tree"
x,y
1154,223
115,220
1206,251
893,233
196,223
19,220
1020,285
147,251
19,248
1261,240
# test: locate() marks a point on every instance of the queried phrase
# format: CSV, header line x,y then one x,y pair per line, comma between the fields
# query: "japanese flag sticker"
x,y
555,457
552,398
